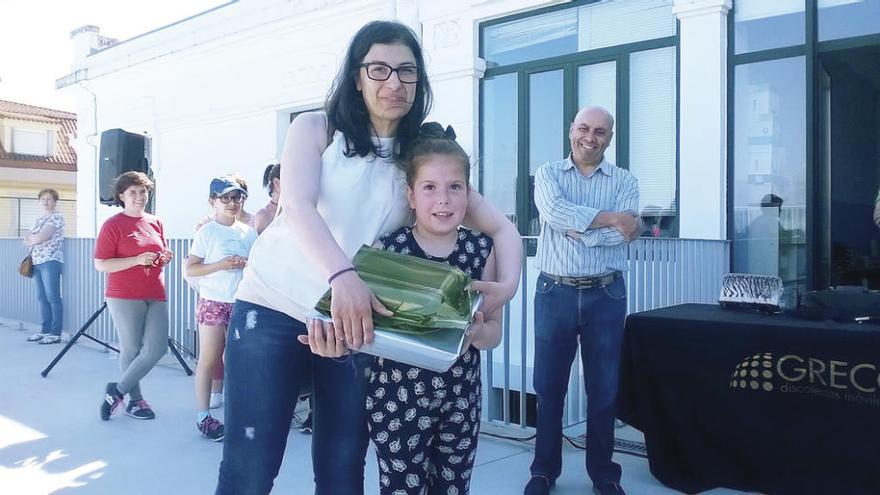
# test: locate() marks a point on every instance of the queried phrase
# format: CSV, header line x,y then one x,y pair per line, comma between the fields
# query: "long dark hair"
x,y
345,107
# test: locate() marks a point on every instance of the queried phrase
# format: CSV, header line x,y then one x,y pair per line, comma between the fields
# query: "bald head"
x,y
589,135
595,110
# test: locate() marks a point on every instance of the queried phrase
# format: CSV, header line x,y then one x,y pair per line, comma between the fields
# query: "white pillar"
x,y
703,130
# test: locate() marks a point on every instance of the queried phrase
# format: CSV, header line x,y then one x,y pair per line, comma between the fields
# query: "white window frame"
x,y
32,148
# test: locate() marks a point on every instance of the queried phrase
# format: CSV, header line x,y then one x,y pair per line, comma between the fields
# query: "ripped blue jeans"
x,y
265,368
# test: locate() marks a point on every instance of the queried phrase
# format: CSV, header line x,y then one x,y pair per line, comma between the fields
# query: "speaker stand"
x,y
82,333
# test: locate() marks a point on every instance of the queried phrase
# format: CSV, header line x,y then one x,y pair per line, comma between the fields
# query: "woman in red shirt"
x,y
131,249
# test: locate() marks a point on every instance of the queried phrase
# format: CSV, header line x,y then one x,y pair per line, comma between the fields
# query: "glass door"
x,y
849,167
546,130
769,180
597,85
499,117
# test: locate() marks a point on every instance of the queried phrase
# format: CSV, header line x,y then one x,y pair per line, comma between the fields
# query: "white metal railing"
x,y
662,272
82,290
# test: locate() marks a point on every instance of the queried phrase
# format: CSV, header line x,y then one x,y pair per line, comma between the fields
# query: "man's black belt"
x,y
586,282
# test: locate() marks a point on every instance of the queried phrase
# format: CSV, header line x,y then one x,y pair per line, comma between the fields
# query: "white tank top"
x,y
359,199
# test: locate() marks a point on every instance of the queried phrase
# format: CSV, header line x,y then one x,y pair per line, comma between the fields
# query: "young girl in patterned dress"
x,y
425,424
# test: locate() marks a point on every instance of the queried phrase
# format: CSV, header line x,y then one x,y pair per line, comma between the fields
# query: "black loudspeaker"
x,y
121,152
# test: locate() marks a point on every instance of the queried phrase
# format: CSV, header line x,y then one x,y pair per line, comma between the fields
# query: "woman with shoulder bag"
x,y
46,240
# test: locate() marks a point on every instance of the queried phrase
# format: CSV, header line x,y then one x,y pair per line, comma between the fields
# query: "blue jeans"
x,y
47,275
265,368
563,316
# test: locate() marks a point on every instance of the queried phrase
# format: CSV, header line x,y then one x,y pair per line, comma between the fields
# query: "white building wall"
x,y
215,91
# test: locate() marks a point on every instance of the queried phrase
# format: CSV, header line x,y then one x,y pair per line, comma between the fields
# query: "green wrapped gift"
x,y
424,295
431,304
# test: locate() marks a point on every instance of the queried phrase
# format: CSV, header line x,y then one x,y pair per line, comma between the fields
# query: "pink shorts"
x,y
213,313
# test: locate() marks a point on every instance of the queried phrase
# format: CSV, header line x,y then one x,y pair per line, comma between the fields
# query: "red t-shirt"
x,y
123,236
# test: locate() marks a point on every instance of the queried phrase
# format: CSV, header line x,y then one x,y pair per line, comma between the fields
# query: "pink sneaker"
x,y
112,401
139,409
212,429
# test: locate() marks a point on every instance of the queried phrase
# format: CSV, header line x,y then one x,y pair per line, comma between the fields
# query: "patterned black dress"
x,y
425,424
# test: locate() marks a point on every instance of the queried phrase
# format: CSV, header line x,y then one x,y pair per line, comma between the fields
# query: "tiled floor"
x,y
53,441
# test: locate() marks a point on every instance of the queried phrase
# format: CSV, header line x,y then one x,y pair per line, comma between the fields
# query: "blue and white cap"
x,y
224,185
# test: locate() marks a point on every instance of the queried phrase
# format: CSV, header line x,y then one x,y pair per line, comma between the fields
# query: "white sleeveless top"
x,y
359,199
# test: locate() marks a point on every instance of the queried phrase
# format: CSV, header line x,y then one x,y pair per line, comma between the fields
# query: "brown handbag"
x,y
26,269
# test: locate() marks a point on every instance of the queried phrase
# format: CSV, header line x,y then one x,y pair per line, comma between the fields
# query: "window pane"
x,y
617,22
769,200
29,142
596,25
546,133
531,38
846,18
763,24
597,85
652,131
499,143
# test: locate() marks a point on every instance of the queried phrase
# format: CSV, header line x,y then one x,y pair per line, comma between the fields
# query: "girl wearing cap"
x,y
243,216
341,188
131,249
247,219
218,254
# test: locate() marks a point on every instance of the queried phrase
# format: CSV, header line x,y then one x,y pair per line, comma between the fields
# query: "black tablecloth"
x,y
722,400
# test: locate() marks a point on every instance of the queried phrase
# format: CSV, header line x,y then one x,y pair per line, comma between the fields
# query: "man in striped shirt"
x,y
588,210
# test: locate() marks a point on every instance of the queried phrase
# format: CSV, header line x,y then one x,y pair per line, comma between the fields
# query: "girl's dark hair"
x,y
433,140
50,192
127,180
345,107
273,171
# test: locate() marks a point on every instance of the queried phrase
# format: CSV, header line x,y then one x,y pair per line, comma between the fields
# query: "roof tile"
x,y
64,152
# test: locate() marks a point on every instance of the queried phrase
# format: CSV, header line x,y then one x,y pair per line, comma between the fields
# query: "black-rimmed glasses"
x,y
379,71
236,198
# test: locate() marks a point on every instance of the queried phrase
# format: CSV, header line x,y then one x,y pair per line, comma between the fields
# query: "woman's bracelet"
x,y
340,272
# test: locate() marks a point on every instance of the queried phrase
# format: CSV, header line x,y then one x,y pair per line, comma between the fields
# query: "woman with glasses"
x,y
243,216
218,254
46,241
131,249
341,188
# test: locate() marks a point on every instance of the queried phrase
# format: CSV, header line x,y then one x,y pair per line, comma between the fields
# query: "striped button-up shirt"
x,y
569,201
